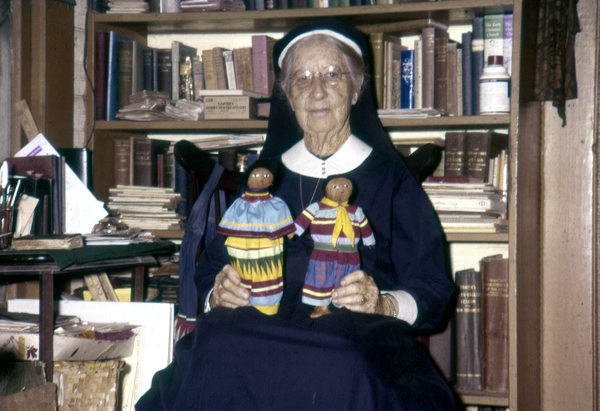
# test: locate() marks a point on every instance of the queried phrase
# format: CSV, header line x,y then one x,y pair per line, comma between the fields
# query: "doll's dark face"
x,y
260,178
338,190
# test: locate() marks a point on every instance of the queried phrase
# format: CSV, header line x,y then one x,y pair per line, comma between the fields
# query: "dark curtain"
x,y
555,77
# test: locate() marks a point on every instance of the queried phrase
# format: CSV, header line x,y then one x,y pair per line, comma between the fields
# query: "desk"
x,y
46,264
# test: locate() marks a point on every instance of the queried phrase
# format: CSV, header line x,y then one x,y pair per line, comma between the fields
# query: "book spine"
x,y
459,84
112,88
121,161
495,324
148,56
468,331
418,71
407,94
101,74
160,170
169,168
125,71
144,166
428,67
477,48
220,70
451,83
198,76
165,67
440,80
154,70
262,64
230,69
210,77
175,77
507,42
467,74
137,68
455,158
477,154
181,187
394,99
493,28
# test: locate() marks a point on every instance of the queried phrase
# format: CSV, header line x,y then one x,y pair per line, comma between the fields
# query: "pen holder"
x,y
6,227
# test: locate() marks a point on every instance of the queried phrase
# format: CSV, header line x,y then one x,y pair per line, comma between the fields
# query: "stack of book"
x,y
128,6
212,5
436,72
146,208
473,207
145,106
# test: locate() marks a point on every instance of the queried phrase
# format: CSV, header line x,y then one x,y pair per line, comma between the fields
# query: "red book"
x,y
101,73
262,63
121,161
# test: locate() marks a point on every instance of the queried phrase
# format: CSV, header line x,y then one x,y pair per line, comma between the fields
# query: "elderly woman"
x,y
323,123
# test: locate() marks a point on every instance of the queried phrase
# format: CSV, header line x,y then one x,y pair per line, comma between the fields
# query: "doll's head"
x,y
260,174
338,189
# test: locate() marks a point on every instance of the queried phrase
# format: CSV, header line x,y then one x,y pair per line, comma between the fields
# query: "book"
x,y
399,26
112,82
455,156
142,169
407,94
477,60
483,204
125,79
379,42
100,74
507,36
179,52
148,63
242,58
440,76
480,148
262,64
219,64
467,74
229,69
451,79
203,93
48,242
459,85
494,272
198,75
392,53
137,68
493,33
428,67
210,76
468,331
394,94
418,72
164,69
121,161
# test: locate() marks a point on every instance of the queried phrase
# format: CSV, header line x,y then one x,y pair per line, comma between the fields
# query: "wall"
x,y
5,87
567,221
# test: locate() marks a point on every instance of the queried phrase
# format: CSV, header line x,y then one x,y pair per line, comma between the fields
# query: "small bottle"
x,y
494,88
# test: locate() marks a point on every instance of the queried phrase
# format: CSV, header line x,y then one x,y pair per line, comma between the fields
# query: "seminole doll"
x,y
336,228
255,225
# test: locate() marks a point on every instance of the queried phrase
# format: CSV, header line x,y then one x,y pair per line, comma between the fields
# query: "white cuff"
x,y
407,306
207,301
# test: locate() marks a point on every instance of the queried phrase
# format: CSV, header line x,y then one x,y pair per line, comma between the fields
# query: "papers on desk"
x,y
82,209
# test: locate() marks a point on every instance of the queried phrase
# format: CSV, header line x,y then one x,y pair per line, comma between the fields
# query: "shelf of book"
x,y
248,125
283,20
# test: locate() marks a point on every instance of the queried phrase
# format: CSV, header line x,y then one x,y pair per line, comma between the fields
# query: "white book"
x,y
229,69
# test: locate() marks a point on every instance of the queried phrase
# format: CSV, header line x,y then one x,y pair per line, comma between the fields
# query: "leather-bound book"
x,y
220,70
210,76
125,71
480,147
148,57
164,68
242,59
379,41
494,271
101,73
455,157
467,76
262,64
440,79
429,35
477,61
451,80
468,331
121,161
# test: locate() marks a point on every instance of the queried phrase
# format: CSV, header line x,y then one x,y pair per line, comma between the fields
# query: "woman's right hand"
x,y
228,291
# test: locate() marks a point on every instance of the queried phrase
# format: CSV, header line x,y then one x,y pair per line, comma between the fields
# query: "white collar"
x,y
351,155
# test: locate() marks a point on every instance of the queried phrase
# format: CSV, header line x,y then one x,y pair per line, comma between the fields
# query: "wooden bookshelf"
x,y
522,125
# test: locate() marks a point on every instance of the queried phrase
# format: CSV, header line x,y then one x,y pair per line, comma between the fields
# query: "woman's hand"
x,y
228,291
358,292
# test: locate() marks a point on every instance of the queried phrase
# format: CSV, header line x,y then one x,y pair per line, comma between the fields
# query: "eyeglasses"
x,y
330,76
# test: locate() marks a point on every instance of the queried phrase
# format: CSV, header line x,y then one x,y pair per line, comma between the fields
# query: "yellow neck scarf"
x,y
342,221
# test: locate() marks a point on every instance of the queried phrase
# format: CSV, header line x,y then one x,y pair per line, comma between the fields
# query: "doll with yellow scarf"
x,y
336,228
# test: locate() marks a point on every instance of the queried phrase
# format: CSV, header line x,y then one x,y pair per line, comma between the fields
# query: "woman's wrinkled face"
x,y
260,178
321,105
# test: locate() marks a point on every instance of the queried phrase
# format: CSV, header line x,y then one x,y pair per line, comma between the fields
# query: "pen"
x,y
4,182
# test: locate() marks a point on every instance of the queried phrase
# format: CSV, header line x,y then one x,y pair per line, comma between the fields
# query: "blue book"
x,y
112,84
507,42
477,60
467,74
407,76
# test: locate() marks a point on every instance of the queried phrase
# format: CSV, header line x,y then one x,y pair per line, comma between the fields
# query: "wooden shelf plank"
x,y
477,238
485,399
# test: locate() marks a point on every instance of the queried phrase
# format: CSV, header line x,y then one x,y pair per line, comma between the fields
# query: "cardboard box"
x,y
25,346
229,108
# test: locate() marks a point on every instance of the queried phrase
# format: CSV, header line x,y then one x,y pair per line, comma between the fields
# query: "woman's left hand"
x,y
358,292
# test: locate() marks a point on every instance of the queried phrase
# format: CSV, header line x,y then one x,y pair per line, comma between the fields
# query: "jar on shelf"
x,y
494,88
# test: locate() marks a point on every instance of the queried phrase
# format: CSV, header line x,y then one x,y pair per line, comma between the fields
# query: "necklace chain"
x,y
313,194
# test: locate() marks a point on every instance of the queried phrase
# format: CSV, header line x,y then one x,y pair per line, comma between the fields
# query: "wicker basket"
x,y
88,385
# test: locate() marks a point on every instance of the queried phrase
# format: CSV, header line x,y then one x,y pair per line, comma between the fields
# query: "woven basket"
x,y
88,385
